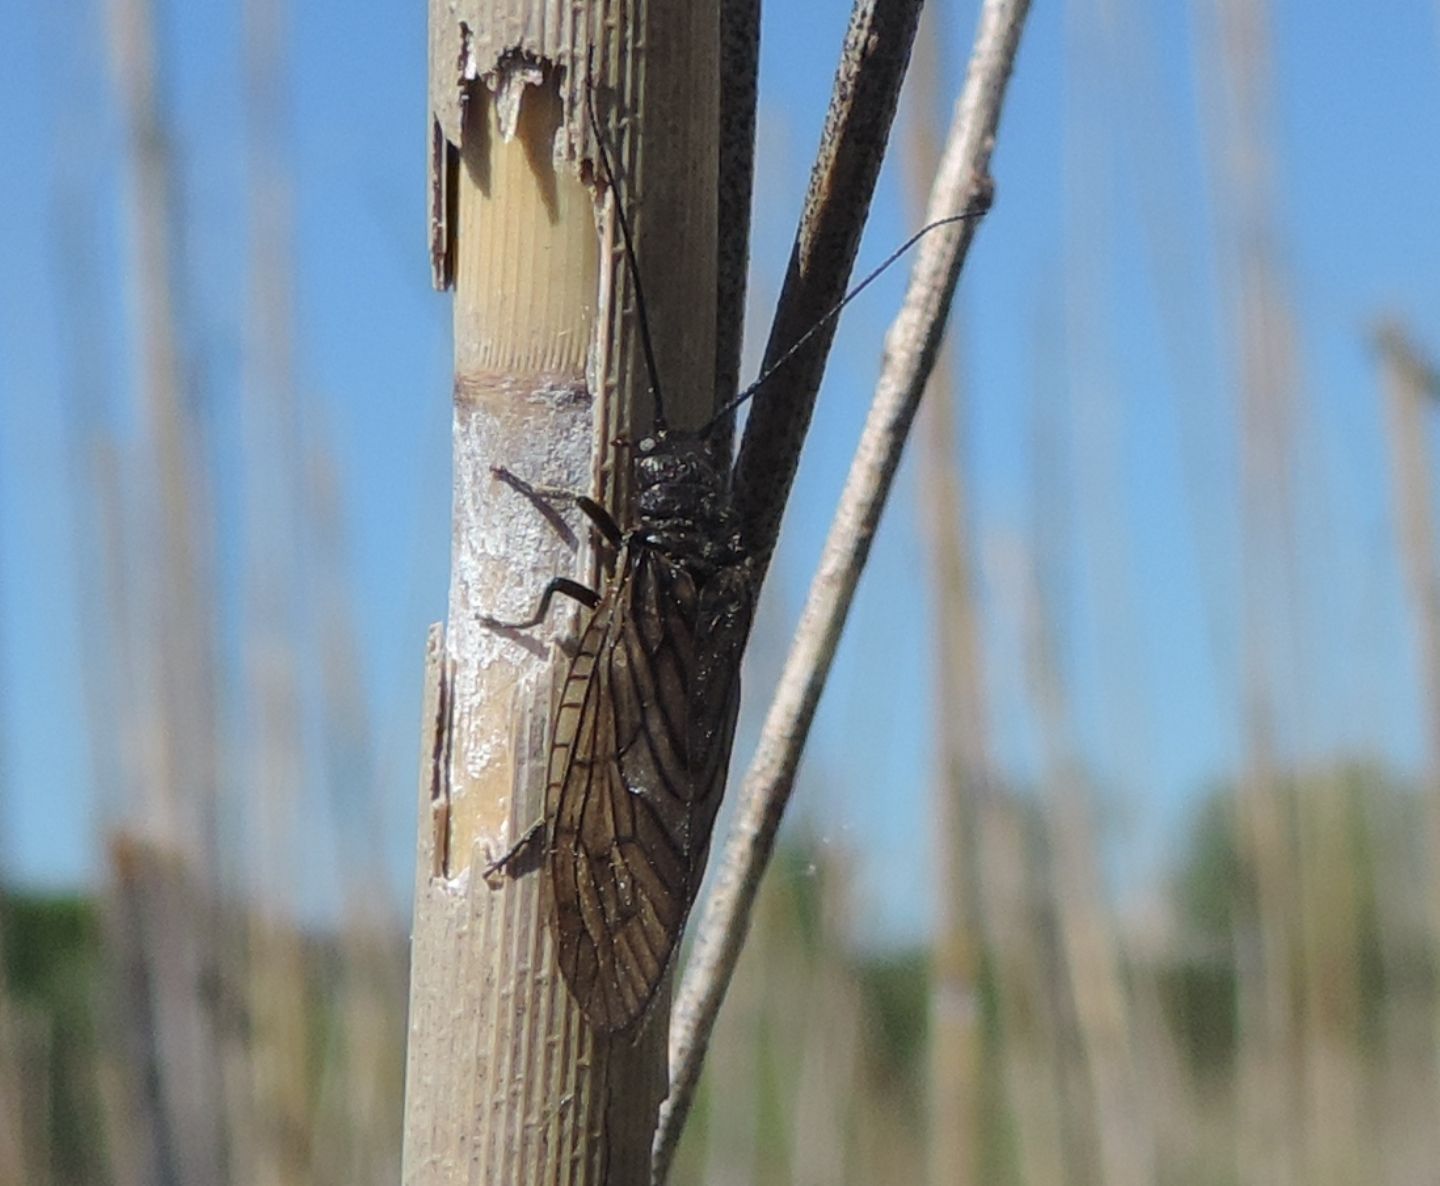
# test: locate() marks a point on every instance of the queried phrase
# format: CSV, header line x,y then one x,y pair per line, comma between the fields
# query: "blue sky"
x,y
1095,285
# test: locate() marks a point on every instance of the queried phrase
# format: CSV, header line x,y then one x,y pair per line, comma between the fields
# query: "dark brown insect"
x,y
640,743
641,740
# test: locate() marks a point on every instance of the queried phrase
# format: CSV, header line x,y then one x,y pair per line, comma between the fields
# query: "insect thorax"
x,y
683,504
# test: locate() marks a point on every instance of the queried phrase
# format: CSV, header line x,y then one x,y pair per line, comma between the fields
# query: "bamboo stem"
x,y
954,1135
1113,1108
1016,898
1411,384
164,856
1271,1087
358,1130
272,1113
505,1081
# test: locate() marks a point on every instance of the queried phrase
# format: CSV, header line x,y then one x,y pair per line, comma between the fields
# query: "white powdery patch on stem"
x,y
505,549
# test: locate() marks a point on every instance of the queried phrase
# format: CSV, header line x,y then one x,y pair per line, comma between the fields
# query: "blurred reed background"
x,y
1264,1009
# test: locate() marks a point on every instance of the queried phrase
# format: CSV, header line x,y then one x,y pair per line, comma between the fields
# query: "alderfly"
x,y
640,743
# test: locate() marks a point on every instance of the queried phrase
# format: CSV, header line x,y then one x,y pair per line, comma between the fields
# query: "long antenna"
x,y
632,265
977,209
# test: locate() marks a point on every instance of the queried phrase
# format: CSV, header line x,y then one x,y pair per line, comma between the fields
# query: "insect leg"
x,y
585,595
530,490
546,496
603,520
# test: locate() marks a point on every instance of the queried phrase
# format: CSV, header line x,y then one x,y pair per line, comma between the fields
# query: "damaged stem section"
x,y
525,260
505,1080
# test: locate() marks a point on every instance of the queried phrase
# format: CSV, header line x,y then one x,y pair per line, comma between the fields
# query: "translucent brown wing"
x,y
637,768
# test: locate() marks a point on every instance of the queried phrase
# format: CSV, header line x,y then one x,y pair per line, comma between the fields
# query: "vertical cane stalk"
x,y
506,1081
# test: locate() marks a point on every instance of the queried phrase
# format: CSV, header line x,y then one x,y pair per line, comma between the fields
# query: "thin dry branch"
x,y
962,182
1411,384
739,67
1274,1088
169,713
852,148
954,1135
271,1101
